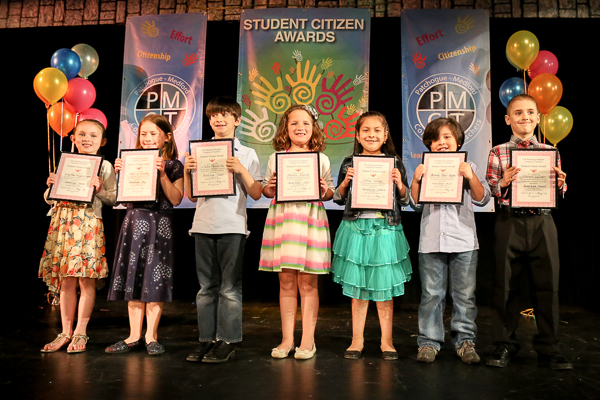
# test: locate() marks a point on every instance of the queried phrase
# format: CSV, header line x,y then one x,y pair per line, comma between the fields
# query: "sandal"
x,y
55,341
76,339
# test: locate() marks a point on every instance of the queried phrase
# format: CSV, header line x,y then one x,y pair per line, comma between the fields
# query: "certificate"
x,y
298,177
535,185
138,180
211,177
442,183
74,177
372,184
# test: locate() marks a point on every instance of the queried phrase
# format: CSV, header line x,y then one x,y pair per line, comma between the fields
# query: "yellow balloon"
x,y
50,84
522,48
557,124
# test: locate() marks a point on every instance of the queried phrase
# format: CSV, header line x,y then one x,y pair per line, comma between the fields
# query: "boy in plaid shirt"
x,y
526,243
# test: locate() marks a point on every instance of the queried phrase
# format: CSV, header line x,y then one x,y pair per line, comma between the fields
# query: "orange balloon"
x,y
61,118
547,90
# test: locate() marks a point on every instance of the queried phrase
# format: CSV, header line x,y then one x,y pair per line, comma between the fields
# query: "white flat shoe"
x,y
281,353
305,354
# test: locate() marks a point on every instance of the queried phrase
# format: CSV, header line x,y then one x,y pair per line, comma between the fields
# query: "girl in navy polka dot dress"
x,y
143,266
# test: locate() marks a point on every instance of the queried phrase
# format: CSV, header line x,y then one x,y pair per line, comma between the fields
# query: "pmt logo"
x,y
166,95
446,96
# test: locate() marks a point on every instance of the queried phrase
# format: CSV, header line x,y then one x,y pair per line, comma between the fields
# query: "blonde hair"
x,y
281,141
169,150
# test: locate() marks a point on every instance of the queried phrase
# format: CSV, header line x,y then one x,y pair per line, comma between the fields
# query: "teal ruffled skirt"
x,y
370,259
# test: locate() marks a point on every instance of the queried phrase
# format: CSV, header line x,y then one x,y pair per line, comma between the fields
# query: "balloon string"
x,y
525,81
62,115
48,126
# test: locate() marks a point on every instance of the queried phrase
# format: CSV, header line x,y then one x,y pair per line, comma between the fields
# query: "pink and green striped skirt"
x,y
296,236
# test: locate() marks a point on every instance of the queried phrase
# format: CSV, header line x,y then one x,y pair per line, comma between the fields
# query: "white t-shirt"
x,y
227,214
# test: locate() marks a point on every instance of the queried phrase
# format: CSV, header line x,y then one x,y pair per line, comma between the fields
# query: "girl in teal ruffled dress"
x,y
370,251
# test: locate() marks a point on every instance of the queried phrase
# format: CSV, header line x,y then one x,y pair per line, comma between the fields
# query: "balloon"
x,y
544,63
510,88
61,118
522,48
80,95
50,84
547,90
89,59
557,125
67,61
95,114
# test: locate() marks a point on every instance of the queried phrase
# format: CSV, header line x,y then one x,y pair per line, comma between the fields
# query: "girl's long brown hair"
x,y
281,141
169,150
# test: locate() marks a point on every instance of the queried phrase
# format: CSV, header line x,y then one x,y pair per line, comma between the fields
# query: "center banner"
x,y
318,57
446,73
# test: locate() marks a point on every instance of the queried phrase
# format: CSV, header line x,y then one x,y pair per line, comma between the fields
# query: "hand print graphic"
x,y
333,97
303,88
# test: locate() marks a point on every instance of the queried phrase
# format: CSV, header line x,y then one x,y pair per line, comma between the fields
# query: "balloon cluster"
x,y
67,79
523,52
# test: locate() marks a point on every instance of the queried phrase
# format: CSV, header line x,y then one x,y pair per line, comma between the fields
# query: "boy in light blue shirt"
x,y
448,252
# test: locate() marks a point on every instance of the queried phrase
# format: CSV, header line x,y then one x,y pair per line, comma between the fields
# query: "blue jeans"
x,y
219,260
433,270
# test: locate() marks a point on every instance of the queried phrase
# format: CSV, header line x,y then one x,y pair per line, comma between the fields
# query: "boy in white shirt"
x,y
220,230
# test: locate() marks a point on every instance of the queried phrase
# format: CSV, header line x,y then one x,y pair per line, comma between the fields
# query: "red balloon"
x,y
61,118
95,114
547,90
80,95
544,63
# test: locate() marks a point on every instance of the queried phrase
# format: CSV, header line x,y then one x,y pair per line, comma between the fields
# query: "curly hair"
x,y
388,146
281,141
170,148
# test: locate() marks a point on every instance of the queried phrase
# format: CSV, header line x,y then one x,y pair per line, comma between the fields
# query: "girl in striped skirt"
x,y
296,241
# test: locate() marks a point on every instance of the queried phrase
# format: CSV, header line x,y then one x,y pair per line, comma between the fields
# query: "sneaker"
x,y
467,353
426,354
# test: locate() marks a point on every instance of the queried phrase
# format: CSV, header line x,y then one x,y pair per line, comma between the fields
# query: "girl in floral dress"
x,y
74,253
143,267
296,241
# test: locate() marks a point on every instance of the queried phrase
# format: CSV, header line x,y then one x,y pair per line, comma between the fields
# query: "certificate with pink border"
x,y
138,180
74,178
298,177
535,185
442,183
372,184
211,176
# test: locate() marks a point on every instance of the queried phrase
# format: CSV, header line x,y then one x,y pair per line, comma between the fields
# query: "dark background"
x,y
27,51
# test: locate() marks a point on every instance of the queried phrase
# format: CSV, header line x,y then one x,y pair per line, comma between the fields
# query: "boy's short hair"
x,y
223,104
432,131
522,96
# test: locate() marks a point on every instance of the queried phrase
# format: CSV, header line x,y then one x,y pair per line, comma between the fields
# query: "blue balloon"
x,y
67,61
510,88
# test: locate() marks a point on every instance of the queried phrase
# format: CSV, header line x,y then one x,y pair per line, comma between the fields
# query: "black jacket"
x,y
393,216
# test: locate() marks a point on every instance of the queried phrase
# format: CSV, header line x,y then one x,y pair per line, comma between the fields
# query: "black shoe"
x,y
155,348
199,352
499,357
122,347
555,361
221,352
352,354
389,355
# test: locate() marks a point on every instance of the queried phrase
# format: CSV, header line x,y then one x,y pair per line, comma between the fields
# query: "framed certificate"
x,y
138,180
298,177
442,183
536,185
372,185
74,178
211,177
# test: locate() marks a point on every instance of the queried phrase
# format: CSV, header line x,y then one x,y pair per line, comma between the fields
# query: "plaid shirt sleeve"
x,y
496,166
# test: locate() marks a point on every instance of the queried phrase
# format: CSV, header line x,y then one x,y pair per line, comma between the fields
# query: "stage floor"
x,y
253,374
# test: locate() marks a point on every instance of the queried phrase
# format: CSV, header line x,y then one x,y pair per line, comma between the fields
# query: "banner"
x,y
303,56
163,73
446,73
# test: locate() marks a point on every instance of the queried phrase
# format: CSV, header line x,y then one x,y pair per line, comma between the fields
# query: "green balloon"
x,y
89,59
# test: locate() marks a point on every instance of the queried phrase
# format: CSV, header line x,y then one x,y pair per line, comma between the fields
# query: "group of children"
x,y
370,252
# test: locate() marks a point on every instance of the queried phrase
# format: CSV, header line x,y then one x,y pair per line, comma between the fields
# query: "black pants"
x,y
526,245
